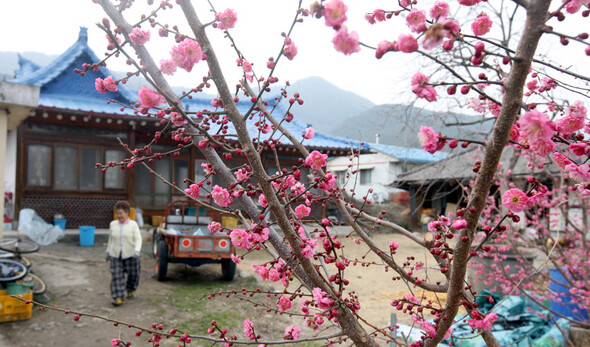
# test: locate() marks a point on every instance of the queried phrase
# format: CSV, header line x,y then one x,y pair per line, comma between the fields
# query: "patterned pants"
x,y
120,267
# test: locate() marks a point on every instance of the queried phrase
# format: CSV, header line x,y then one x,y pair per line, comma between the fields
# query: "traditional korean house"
x,y
74,127
438,188
379,168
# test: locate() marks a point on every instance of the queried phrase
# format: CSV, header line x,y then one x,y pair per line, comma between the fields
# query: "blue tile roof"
x,y
26,66
416,155
62,88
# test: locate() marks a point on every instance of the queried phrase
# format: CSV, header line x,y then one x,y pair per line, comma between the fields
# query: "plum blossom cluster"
x,y
334,13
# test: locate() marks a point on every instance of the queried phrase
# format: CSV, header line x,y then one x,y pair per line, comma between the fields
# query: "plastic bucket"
x,y
86,236
564,307
60,223
18,288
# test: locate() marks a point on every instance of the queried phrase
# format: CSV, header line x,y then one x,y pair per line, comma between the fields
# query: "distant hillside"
x,y
325,104
399,124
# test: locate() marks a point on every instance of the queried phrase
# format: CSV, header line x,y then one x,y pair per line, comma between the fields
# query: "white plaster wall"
x,y
385,169
10,171
10,167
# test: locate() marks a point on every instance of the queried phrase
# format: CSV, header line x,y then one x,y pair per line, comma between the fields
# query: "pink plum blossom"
x,y
303,305
302,211
543,147
177,119
483,324
226,19
537,129
429,329
186,54
452,28
111,85
379,15
106,85
215,227
335,13
561,160
309,133
459,224
574,119
239,237
139,37
235,259
345,42
221,196
290,50
515,199
284,303
384,47
259,234
428,139
246,66
150,98
321,299
416,20
578,148
167,67
262,271
262,200
578,172
111,44
193,191
298,188
407,43
328,181
274,275
292,332
393,246
514,133
412,298
469,2
440,10
316,160
575,5
310,247
115,342
421,89
241,174
481,25
434,226
249,329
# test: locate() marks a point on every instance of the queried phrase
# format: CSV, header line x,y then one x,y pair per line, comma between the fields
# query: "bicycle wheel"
x,y
17,245
39,286
25,261
11,270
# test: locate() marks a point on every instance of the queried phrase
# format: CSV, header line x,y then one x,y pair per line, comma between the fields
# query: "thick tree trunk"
x,y
511,104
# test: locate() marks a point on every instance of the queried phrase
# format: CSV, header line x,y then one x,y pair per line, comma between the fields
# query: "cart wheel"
x,y
161,260
155,238
228,269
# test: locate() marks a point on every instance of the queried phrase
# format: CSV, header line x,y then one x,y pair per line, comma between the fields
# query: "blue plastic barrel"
x,y
86,236
565,307
60,223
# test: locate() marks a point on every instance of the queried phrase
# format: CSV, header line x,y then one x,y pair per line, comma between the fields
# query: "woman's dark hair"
x,y
122,205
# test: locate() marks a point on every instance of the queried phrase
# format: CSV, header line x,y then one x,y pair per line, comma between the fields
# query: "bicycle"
x,y
16,268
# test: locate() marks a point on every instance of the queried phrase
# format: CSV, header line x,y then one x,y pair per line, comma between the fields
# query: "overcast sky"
x,y
52,26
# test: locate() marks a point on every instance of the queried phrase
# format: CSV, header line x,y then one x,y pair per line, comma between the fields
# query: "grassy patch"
x,y
197,311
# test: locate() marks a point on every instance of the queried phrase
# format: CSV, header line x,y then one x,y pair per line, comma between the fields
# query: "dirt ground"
x,y
78,279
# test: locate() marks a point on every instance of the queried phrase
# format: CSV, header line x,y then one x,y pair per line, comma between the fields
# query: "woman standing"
x,y
123,251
